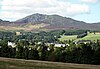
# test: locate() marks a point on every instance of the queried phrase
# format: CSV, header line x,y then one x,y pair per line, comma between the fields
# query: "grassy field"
x,y
9,63
68,37
91,37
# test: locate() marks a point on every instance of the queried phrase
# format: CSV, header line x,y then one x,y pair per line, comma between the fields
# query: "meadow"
x,y
71,37
9,63
90,36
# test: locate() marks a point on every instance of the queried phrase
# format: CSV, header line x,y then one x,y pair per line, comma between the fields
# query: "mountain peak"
x,y
37,17
56,21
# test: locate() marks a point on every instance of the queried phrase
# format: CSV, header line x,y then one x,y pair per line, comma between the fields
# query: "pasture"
x,y
90,36
71,37
9,63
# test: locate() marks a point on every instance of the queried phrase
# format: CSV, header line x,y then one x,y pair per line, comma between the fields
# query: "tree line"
x,y
82,53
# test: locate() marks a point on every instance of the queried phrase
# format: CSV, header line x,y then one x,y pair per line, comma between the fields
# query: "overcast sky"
x,y
83,10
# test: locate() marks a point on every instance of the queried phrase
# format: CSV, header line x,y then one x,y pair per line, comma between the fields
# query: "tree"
x,y
19,50
58,55
44,52
25,53
33,54
4,48
96,56
86,54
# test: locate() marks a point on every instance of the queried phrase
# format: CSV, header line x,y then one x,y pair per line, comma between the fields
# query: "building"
x,y
59,45
18,33
12,44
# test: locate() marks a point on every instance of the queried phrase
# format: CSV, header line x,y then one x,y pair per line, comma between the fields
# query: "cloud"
x,y
20,8
78,9
90,1
10,15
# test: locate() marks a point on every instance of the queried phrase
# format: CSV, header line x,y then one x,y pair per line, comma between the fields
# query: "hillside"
x,y
4,23
58,22
48,22
9,63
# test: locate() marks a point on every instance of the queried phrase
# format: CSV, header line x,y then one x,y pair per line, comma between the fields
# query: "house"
x,y
48,44
57,45
18,33
60,45
12,44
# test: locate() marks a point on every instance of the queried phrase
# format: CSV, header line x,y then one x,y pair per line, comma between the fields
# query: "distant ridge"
x,y
50,22
58,22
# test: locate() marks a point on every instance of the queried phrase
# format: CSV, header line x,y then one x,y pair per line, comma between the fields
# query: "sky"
x,y
82,10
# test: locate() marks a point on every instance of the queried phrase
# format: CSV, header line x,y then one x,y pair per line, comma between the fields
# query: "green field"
x,y
72,37
91,37
9,63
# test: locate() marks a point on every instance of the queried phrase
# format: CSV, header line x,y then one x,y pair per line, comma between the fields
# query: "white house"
x,y
12,44
59,45
48,44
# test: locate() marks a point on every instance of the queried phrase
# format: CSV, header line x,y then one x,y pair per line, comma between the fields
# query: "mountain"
x,y
47,22
58,22
48,19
